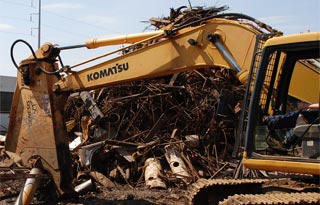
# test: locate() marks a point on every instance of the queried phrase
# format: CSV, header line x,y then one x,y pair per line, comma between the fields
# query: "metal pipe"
x,y
177,164
71,47
29,188
214,38
152,174
84,187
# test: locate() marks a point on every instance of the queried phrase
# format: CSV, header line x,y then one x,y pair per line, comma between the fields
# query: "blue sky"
x,y
74,21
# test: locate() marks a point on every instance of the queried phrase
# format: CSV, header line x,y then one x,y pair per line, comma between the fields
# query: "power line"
x,y
12,32
16,3
16,19
29,6
59,15
46,26
82,22
65,31
53,13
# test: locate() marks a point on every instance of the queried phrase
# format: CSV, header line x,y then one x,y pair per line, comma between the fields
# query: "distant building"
x,y
7,86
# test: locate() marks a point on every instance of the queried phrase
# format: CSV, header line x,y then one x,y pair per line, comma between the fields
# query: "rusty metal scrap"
x,y
183,15
141,118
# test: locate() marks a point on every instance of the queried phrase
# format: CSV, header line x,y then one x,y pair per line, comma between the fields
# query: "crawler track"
x,y
273,199
212,191
244,191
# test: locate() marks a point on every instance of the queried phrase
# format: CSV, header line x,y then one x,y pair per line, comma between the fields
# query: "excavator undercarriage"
x,y
255,191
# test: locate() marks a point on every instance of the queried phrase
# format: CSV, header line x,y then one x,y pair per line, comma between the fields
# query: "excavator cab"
x,y
280,136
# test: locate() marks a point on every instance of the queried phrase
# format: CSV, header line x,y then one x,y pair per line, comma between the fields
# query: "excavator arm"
x,y
186,49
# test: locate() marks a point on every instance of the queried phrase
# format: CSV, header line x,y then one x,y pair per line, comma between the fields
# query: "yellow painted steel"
x,y
33,125
305,83
169,55
130,38
294,38
282,166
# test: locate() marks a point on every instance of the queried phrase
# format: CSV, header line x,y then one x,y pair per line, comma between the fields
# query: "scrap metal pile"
x,y
165,131
183,15
183,125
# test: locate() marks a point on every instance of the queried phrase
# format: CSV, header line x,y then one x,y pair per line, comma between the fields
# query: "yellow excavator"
x,y
263,58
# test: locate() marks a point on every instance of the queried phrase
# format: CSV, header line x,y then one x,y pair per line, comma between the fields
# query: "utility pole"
x,y
39,21
39,24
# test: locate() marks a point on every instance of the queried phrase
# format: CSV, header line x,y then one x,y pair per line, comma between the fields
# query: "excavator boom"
x,y
305,69
186,49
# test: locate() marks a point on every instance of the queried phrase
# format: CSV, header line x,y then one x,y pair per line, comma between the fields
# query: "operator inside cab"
x,y
281,128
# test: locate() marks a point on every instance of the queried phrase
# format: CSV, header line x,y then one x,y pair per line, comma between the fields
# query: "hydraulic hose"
x,y
33,54
12,48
